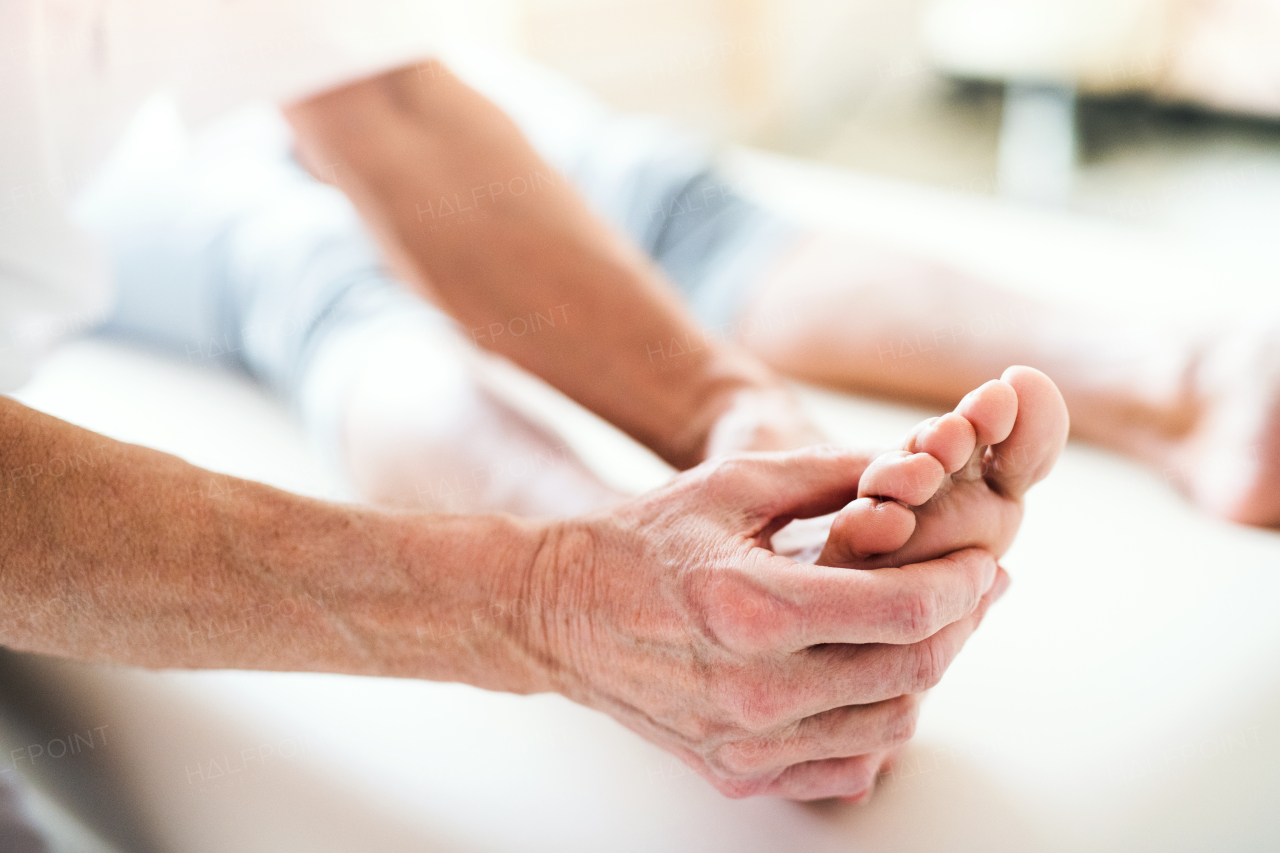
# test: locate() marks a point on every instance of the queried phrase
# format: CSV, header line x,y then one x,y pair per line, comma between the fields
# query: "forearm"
x,y
119,553
529,268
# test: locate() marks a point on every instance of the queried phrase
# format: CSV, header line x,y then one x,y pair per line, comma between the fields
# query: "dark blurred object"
x,y
1219,54
16,832
36,711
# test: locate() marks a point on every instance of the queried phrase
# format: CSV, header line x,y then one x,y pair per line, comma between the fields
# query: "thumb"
x,y
793,484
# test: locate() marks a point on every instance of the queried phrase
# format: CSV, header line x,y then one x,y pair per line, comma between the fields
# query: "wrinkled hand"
x,y
765,676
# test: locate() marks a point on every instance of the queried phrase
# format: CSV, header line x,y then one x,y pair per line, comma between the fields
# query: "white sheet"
x,y
1124,695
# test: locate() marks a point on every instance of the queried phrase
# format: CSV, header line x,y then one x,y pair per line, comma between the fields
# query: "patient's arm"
x,y
472,216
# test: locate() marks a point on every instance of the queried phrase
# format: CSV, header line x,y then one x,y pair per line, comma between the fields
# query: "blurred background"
x,y
1159,113
1159,116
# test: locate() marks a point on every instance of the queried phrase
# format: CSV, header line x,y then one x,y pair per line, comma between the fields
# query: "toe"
x,y
992,409
902,476
867,527
951,439
1038,435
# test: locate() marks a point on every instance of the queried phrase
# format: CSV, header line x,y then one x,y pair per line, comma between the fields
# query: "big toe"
x,y
1036,439
992,409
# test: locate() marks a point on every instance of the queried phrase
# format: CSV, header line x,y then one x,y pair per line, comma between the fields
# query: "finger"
x,y
885,761
894,605
858,675
792,484
890,762
837,733
833,777
855,729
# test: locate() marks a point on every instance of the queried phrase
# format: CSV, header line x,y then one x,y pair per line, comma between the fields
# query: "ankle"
x,y
1146,412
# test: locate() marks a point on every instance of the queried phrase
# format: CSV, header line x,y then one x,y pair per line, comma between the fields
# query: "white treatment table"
x,y
1125,695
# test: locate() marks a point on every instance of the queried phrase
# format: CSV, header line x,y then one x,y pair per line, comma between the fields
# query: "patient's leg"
x,y
861,318
238,258
854,316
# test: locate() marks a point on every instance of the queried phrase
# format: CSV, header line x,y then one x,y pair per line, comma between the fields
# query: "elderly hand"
x,y
766,676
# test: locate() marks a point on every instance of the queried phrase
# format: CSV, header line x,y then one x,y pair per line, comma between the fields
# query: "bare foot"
x,y
958,480
1228,462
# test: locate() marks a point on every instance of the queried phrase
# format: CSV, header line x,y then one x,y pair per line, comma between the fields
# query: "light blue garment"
x,y
236,256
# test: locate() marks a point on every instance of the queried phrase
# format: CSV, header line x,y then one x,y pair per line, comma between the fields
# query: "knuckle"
x,y
973,564
928,664
726,474
918,614
743,617
752,704
760,710
904,717
742,759
860,776
982,572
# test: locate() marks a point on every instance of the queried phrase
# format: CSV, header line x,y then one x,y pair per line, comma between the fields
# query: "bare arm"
x,y
116,552
473,217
